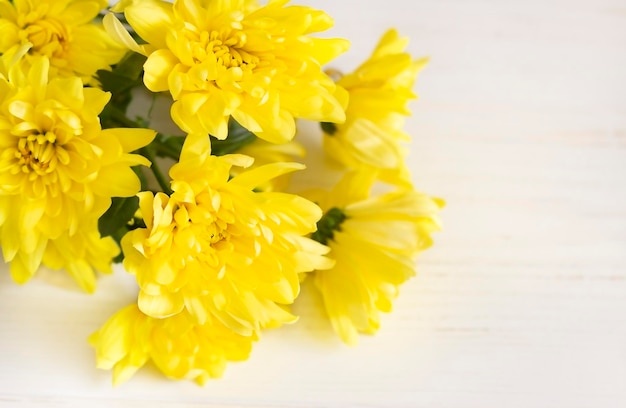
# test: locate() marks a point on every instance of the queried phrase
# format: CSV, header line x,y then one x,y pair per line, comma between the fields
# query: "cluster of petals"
x,y
64,31
379,91
217,248
58,171
178,346
235,58
374,246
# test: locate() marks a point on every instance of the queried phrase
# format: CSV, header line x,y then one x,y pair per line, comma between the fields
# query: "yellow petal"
x,y
160,306
372,145
117,181
157,69
123,370
83,274
131,139
117,31
151,20
81,12
20,272
255,177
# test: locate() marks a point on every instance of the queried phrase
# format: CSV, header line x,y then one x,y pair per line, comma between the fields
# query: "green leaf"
x,y
117,217
120,81
168,146
238,137
131,65
114,82
124,76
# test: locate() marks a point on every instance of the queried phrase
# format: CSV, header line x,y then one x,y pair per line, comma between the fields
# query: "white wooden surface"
x,y
521,126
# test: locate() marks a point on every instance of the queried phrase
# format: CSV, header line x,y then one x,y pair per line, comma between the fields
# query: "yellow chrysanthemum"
x,y
223,58
177,345
57,166
379,91
374,240
217,247
61,30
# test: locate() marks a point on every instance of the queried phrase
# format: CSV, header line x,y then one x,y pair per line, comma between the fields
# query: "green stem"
x,y
120,117
148,153
141,176
164,150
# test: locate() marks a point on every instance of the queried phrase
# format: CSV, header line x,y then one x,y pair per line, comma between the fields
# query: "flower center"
x,y
203,233
48,36
228,49
215,234
38,154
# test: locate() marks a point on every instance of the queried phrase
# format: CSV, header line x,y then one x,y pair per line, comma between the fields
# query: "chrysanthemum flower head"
x,y
177,345
374,240
256,63
56,163
62,31
217,247
379,91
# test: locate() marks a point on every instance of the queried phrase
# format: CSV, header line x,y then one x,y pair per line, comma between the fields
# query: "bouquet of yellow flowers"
x,y
207,220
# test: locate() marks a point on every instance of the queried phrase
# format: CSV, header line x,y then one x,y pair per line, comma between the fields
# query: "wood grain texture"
x,y
521,127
